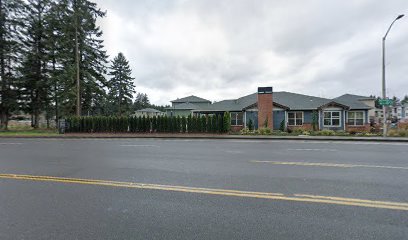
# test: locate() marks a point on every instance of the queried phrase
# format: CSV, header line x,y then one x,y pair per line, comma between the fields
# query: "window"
x,y
355,118
331,118
295,118
236,118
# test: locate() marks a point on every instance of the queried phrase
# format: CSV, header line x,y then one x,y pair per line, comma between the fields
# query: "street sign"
x,y
385,102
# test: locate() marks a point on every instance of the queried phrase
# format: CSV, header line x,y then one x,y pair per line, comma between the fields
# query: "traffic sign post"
x,y
386,102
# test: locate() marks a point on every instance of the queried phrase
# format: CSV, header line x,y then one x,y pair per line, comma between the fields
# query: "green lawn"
x,y
28,132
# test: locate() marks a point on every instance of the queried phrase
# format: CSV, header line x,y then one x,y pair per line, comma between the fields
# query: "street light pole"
x,y
384,94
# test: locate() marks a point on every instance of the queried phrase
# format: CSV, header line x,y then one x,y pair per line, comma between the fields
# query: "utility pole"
x,y
384,94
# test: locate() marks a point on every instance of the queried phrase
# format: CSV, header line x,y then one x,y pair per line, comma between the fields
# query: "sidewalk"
x,y
214,136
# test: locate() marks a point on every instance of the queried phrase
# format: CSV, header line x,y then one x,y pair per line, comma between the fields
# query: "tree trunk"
x,y
78,104
55,91
36,119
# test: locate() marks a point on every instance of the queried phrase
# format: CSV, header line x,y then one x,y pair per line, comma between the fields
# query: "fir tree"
x,y
121,85
35,85
10,27
82,56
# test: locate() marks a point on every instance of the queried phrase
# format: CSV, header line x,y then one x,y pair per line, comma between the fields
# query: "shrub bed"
x,y
160,124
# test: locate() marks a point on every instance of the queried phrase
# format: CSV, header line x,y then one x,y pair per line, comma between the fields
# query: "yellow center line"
x,y
221,192
321,164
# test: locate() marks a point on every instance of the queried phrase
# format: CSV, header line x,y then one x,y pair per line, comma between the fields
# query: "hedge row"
x,y
160,124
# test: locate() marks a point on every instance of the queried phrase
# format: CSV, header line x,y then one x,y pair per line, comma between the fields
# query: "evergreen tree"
x,y
142,101
404,100
183,124
10,27
81,48
121,85
226,122
189,124
204,122
219,123
34,84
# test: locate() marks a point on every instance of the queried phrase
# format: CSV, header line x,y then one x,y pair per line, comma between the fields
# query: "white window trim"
x,y
303,118
331,118
348,117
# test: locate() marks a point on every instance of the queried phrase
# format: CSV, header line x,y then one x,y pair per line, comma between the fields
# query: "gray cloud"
x,y
225,49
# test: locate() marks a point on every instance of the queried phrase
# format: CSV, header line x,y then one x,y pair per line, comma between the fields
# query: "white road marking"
x,y
312,149
322,164
233,151
139,145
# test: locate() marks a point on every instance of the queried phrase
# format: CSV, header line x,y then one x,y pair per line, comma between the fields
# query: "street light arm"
x,y
385,36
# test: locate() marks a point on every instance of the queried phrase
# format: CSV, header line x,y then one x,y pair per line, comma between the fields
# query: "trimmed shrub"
x,y
264,131
226,123
246,131
326,133
178,124
189,123
282,126
194,124
250,125
315,120
220,128
183,124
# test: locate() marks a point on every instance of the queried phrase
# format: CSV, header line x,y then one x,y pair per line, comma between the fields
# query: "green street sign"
x,y
386,102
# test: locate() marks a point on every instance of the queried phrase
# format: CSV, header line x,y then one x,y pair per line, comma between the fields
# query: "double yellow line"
x,y
220,192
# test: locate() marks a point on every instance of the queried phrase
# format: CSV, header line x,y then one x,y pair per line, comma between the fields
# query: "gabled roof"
x,y
183,106
232,105
286,100
151,110
295,101
191,99
353,101
356,97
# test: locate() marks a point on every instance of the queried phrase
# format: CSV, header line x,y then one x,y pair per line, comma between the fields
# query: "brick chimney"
x,y
265,107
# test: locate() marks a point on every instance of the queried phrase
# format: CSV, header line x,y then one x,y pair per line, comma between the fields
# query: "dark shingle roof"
x,y
292,101
191,99
295,101
353,101
232,105
356,97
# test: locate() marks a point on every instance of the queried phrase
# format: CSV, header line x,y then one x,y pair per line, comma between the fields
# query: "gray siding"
x,y
180,113
201,104
308,117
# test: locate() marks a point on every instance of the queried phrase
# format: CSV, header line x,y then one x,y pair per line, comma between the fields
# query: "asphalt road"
x,y
202,189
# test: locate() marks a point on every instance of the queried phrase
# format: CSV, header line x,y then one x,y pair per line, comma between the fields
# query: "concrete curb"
x,y
235,137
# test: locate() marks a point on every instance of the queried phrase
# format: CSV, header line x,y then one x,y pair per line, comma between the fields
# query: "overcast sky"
x,y
223,49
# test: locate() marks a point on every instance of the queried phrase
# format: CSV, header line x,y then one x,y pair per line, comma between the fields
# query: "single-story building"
x,y
148,112
278,110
